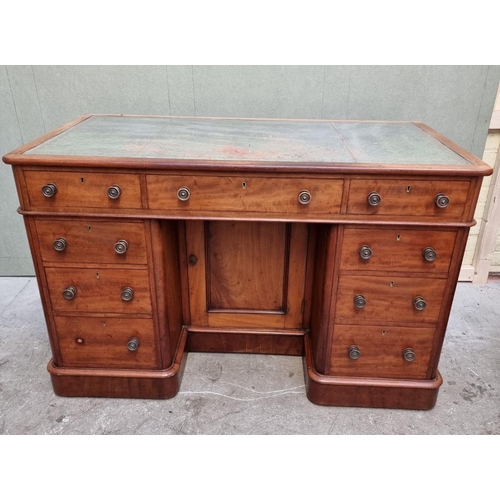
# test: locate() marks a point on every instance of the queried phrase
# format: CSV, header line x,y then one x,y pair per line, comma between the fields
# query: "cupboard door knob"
x,y
183,193
49,190
133,344
60,244
441,200
374,199
114,192
69,293
365,252
354,352
429,254
409,355
360,301
127,294
121,246
305,197
419,303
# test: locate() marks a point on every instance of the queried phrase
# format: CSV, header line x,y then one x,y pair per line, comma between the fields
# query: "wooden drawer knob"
x,y
365,252
305,197
49,190
183,193
441,200
114,192
60,244
133,344
69,293
374,199
359,301
121,246
354,352
409,355
419,303
127,294
429,254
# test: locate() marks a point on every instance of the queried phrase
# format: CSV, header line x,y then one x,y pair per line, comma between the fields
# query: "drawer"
x,y
407,197
388,299
106,342
248,194
99,290
415,250
89,241
379,351
82,190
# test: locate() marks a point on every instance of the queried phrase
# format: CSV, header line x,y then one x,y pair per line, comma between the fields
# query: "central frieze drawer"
x,y
415,250
63,191
91,241
106,342
99,290
389,299
445,200
241,193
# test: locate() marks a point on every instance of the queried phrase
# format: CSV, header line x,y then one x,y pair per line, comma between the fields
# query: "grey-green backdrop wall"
x,y
455,100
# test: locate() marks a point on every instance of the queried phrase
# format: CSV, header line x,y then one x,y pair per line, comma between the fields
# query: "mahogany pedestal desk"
x,y
339,241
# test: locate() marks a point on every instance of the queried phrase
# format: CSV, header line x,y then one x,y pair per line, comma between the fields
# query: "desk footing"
x,y
368,392
101,383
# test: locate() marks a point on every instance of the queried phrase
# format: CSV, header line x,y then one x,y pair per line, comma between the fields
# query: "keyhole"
x,y
391,283
90,229
103,323
408,189
398,237
244,185
96,276
383,332
82,180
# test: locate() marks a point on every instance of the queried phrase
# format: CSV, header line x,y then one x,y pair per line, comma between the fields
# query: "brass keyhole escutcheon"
x,y
391,283
89,228
408,189
244,185
398,237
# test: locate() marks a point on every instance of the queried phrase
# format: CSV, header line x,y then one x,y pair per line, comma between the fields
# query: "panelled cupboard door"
x,y
246,274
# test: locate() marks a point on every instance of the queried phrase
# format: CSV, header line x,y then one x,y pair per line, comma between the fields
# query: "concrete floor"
x,y
247,394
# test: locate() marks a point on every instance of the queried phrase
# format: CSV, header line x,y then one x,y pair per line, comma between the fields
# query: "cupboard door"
x,y
246,274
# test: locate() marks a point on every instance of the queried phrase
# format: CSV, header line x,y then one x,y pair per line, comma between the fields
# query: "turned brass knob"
x,y
183,193
69,293
305,197
374,199
419,303
359,301
408,354
60,244
133,344
429,254
441,200
114,192
365,252
127,294
121,246
354,352
49,190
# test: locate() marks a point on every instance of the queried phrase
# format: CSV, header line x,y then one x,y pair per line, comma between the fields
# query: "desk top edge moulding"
x,y
337,241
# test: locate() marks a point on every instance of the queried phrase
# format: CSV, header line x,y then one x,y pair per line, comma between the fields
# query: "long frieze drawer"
x,y
89,241
99,290
252,194
380,351
414,250
106,342
362,299
53,190
445,200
